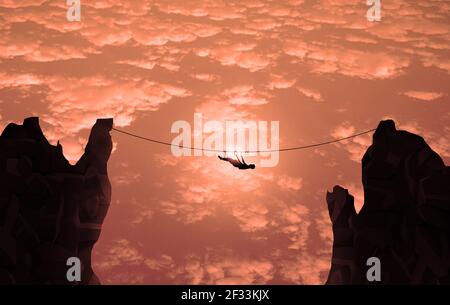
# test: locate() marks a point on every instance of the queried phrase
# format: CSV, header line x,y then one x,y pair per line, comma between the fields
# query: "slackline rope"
x,y
247,151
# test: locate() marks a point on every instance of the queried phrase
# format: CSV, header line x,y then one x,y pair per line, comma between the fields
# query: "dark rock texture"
x,y
405,220
49,209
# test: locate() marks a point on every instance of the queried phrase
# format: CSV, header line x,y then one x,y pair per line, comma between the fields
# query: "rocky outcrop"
x,y
49,209
405,220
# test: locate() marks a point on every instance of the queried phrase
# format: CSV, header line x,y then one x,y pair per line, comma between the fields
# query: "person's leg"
x,y
237,158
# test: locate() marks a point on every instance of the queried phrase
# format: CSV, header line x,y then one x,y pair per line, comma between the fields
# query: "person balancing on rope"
x,y
241,164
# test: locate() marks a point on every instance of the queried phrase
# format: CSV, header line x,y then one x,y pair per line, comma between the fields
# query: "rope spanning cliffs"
x,y
244,151
50,210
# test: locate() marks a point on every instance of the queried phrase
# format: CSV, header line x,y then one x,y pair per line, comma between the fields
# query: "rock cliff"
x,y
49,209
405,220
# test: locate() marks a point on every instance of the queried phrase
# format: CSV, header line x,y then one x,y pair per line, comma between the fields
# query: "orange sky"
x,y
318,67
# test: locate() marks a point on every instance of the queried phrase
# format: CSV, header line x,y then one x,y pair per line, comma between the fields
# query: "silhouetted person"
x,y
238,163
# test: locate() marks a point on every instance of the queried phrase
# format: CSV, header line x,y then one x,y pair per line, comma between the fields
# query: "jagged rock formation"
x,y
405,220
49,209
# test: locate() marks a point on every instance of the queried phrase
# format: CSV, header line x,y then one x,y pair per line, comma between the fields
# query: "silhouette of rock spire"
x,y
50,210
404,220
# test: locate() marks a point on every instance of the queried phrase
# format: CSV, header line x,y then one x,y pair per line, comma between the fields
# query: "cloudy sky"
x,y
320,68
